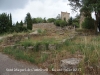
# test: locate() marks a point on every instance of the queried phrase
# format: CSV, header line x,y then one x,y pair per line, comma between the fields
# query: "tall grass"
x,y
18,54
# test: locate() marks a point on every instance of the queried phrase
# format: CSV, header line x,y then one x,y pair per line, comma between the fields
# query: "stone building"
x,y
65,16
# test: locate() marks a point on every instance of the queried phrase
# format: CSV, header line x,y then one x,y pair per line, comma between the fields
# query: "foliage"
x,y
60,23
19,27
76,21
50,20
88,23
87,7
28,21
70,21
10,20
19,54
38,20
5,22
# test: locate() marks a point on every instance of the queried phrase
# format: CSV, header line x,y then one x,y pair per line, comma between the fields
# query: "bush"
x,y
50,20
60,23
88,23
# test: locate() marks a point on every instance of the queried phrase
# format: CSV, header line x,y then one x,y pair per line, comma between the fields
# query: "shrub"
x,y
60,23
88,23
27,43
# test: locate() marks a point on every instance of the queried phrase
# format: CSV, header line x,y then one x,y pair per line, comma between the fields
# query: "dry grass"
x,y
84,47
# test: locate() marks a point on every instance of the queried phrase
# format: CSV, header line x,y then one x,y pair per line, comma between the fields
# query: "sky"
x,y
37,8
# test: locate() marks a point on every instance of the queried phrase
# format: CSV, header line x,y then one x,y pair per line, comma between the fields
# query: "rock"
x,y
45,52
30,48
70,64
52,47
21,47
63,40
26,38
34,33
61,33
42,47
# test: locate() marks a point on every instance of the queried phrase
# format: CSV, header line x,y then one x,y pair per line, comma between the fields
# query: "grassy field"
x,y
84,47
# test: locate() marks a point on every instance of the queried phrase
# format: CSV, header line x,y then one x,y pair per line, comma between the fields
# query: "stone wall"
x,y
44,26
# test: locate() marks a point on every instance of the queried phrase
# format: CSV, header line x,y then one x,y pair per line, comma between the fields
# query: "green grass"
x,y
18,54
27,43
88,47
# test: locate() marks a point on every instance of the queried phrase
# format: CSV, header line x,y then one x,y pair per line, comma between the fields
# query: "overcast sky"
x,y
37,8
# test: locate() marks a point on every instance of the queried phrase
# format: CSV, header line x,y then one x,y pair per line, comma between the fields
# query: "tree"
x,y
50,20
60,23
21,23
28,21
58,16
44,20
76,21
70,21
38,20
4,23
10,20
88,23
88,6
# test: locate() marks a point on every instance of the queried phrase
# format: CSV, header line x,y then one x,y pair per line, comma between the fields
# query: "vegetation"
x,y
70,48
88,23
60,23
39,20
87,7
28,21
70,21
76,21
50,20
5,22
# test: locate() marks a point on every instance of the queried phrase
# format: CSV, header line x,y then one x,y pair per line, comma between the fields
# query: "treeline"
x,y
5,22
6,25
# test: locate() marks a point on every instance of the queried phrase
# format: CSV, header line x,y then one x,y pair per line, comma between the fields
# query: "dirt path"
x,y
10,66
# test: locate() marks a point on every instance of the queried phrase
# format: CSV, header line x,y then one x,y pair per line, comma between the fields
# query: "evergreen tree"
x,y
28,21
4,22
17,24
10,20
21,23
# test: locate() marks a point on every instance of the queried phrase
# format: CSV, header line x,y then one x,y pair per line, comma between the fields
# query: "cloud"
x,y
38,8
12,4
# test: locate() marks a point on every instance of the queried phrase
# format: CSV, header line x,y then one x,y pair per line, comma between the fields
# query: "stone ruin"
x,y
44,26
65,16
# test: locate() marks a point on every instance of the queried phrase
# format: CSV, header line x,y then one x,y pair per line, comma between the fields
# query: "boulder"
x,y
70,64
52,47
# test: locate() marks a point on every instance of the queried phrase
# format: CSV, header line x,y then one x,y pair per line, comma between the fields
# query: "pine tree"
x,y
10,20
28,21
21,23
4,23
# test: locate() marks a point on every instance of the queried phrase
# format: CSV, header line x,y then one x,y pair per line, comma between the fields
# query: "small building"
x,y
65,16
